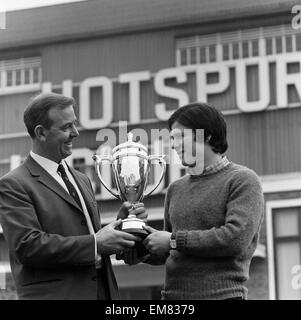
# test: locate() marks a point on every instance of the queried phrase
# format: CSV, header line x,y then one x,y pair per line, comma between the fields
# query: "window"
x,y
226,54
20,72
193,54
212,53
245,49
9,78
79,164
298,42
18,77
241,44
26,76
183,56
278,45
203,55
269,46
284,236
255,48
289,44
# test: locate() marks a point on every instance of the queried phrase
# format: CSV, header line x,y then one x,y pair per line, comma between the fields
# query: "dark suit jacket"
x,y
51,251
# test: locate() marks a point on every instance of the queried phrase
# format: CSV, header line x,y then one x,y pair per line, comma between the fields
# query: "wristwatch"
x,y
172,242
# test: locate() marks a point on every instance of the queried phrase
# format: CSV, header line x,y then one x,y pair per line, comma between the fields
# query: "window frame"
x,y
270,222
30,67
235,40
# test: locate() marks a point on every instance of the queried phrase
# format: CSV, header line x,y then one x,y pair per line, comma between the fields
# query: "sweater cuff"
x,y
181,239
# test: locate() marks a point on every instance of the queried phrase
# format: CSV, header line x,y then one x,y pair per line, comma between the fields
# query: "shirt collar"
x,y
47,164
222,163
212,168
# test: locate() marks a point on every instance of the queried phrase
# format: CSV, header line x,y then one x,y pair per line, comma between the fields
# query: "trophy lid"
x,y
130,144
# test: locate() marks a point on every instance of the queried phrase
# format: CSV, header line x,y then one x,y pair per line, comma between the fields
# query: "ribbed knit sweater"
x,y
216,219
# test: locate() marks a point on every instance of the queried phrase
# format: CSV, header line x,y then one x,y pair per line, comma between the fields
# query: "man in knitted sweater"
x,y
212,215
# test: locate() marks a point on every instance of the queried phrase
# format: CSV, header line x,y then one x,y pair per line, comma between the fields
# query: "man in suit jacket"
x,y
50,217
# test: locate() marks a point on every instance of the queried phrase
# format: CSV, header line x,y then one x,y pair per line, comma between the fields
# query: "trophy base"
x,y
134,226
136,232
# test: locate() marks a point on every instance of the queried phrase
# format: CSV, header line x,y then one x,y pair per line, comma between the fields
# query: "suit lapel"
x,y
45,178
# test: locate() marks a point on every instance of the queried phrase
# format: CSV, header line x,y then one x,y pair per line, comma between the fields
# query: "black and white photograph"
x,y
150,150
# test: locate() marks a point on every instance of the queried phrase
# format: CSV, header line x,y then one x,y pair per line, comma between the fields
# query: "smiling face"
x,y
189,146
57,144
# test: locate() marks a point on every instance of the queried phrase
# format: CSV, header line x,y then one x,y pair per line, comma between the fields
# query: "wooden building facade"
x,y
128,60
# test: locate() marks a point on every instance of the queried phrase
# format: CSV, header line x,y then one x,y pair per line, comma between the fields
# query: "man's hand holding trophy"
x,y
130,164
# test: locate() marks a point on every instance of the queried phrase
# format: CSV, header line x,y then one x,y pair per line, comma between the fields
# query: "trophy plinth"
x,y
134,225
130,164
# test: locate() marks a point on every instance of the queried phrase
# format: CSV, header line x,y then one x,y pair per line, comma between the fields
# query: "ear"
x,y
40,133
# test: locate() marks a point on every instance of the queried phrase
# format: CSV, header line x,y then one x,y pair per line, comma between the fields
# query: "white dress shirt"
x,y
52,168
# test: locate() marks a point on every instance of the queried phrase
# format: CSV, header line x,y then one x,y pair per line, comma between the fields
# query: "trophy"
x,y
130,164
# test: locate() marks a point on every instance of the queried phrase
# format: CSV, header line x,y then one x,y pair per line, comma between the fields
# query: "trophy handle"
x,y
98,160
162,163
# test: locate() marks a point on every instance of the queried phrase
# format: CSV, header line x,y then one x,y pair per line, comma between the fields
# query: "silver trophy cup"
x,y
130,164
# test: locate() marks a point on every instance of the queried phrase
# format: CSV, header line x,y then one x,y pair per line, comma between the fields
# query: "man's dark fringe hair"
x,y
203,116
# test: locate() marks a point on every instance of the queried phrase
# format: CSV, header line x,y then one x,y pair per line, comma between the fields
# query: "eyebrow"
x,y
68,123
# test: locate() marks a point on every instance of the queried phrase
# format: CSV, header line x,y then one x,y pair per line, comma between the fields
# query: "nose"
x,y
74,132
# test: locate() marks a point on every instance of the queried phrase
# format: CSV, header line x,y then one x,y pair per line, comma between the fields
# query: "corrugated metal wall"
x,y
11,112
18,146
108,56
267,141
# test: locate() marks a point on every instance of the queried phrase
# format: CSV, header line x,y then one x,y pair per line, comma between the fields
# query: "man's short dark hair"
x,y
38,109
202,116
